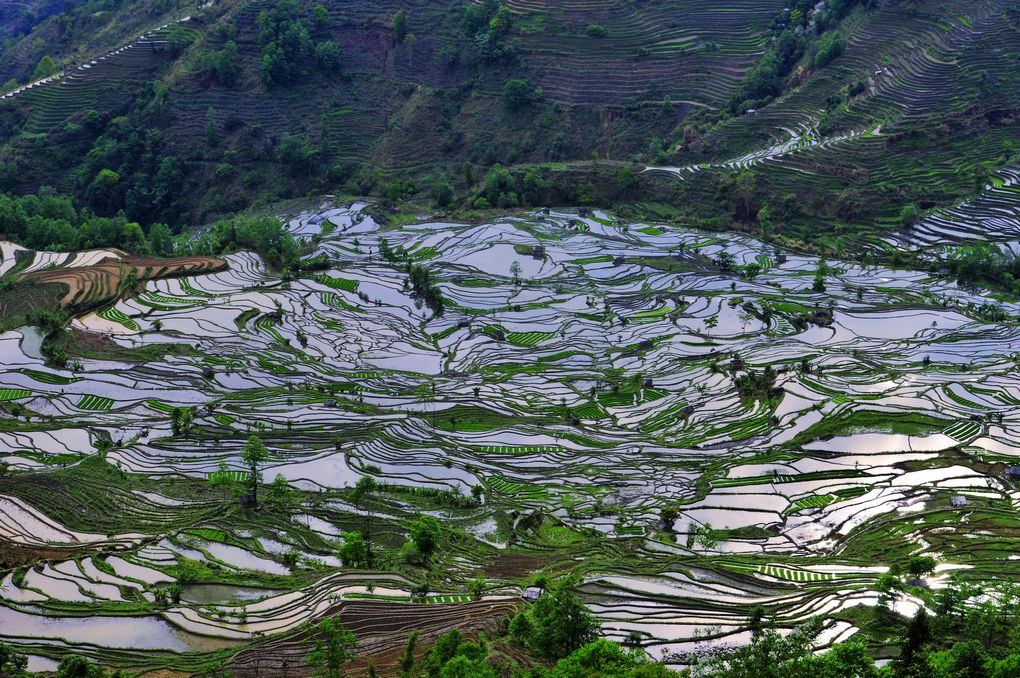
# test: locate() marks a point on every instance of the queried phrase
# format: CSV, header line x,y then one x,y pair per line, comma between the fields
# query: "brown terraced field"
x,y
382,629
89,285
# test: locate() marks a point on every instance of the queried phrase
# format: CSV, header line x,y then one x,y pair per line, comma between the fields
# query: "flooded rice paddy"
x,y
585,373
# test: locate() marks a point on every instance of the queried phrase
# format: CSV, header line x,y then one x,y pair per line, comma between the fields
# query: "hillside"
x,y
413,108
839,121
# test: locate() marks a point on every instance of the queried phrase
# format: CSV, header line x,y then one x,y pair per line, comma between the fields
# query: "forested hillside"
x,y
832,116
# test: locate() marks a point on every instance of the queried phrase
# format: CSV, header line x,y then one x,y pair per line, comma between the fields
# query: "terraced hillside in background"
x,y
813,425
414,109
932,120
919,109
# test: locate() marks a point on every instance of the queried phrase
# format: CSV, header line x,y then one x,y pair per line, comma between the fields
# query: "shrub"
x,y
519,93
829,47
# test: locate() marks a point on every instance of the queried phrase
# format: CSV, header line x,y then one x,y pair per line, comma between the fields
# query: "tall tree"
x,y
254,453
333,645
364,488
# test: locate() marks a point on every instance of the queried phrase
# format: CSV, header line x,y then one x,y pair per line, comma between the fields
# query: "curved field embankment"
x,y
91,285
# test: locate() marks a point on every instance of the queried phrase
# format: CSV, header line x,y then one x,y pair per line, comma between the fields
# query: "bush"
x,y
442,191
830,47
597,31
557,624
909,215
327,56
399,26
519,93
45,68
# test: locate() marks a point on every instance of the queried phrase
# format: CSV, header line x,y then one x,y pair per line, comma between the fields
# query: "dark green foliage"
x,y
75,666
52,222
288,50
426,533
519,93
224,64
909,215
425,287
399,26
254,454
442,191
757,385
46,67
557,624
790,40
264,235
830,46
333,645
12,663
604,658
919,566
500,188
985,264
327,56
917,636
354,551
298,154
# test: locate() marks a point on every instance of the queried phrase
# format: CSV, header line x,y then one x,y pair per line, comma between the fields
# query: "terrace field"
x,y
692,424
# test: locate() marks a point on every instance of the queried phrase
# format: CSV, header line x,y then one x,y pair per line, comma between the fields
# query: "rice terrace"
x,y
510,338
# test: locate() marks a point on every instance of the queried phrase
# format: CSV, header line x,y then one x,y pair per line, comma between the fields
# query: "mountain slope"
x,y
868,107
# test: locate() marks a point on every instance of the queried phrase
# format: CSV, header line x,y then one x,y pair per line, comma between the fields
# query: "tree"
x,y
909,215
353,552
442,191
327,57
477,588
279,490
559,623
820,273
104,193
274,67
399,25
425,534
603,657
518,93
161,240
501,22
45,68
363,489
224,64
711,322
221,477
12,663
407,661
919,566
829,47
462,666
299,155
515,271
744,193
765,222
320,18
918,635
76,666
181,419
253,454
333,645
